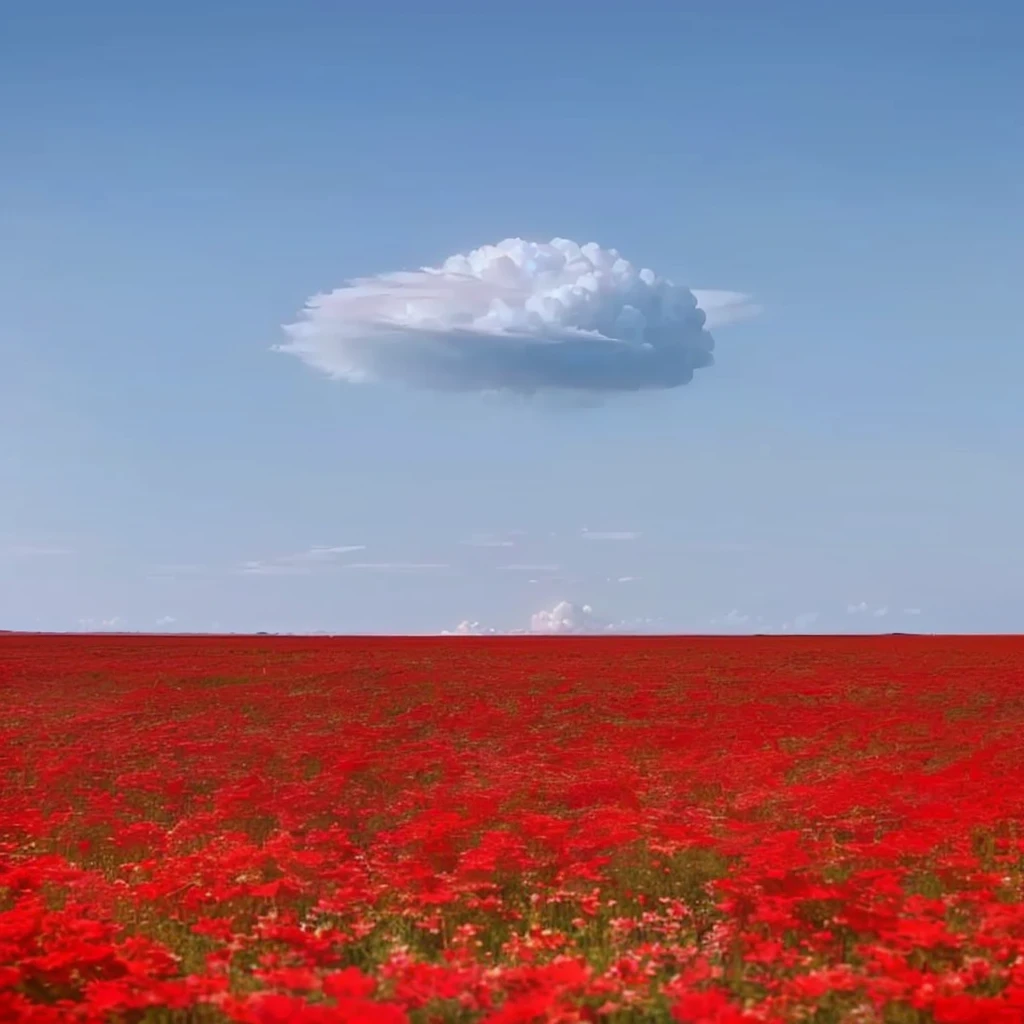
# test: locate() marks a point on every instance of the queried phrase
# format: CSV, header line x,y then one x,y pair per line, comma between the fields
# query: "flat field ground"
x,y
512,830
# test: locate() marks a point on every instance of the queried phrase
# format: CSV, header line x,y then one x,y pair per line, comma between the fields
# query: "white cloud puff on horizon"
x,y
93,625
566,617
563,618
519,317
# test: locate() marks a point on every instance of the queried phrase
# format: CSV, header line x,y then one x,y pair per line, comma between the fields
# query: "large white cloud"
x,y
516,317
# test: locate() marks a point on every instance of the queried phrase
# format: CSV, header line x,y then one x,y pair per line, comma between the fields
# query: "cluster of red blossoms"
x,y
511,831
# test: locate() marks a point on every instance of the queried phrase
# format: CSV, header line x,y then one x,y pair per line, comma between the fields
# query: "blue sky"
x,y
179,179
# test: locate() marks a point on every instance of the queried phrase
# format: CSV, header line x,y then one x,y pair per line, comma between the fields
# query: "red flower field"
x,y
511,830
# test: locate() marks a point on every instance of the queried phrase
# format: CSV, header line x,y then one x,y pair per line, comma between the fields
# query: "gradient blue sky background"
x,y
177,179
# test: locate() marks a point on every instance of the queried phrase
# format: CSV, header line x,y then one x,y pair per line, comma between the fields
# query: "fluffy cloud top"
x,y
469,627
516,317
567,617
564,617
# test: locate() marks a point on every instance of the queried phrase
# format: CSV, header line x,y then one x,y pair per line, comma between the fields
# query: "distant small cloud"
x,y
732,619
34,551
627,579
609,534
96,625
801,622
321,553
166,620
566,617
172,570
529,567
396,566
720,547
300,563
489,540
863,608
273,569
468,628
911,611
563,617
